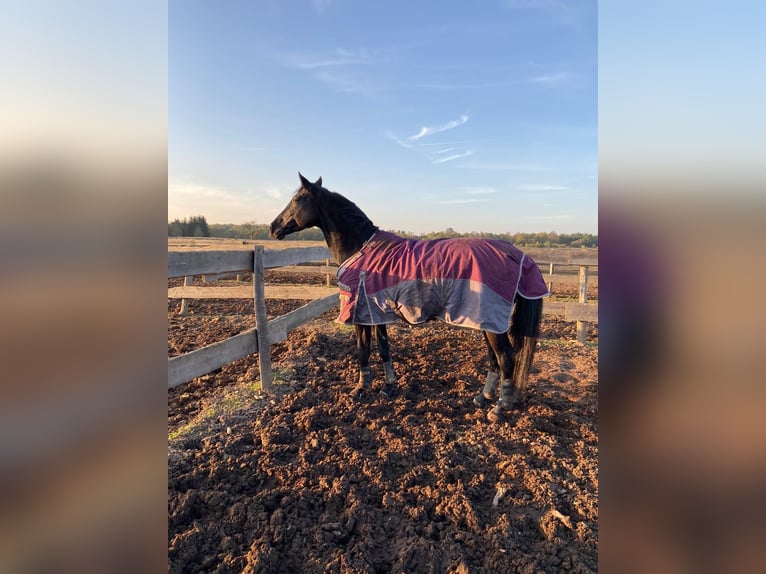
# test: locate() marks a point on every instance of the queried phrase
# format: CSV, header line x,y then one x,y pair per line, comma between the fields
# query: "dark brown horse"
x,y
348,232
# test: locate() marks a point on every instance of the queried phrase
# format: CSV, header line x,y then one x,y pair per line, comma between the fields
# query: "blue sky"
x,y
480,116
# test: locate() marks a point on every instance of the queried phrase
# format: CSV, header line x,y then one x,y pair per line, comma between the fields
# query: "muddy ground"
x,y
306,480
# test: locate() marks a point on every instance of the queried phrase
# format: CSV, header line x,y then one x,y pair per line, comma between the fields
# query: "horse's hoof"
x,y
480,400
495,415
357,392
510,402
388,391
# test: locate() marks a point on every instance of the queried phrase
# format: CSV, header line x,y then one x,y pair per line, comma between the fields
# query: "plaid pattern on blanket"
x,y
468,282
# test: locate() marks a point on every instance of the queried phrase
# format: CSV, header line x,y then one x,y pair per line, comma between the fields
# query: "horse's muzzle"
x,y
280,228
276,230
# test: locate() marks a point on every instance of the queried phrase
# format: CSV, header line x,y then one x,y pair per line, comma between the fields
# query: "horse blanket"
x,y
468,282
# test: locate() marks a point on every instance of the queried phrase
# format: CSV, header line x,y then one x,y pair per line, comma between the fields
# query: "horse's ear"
x,y
319,181
304,182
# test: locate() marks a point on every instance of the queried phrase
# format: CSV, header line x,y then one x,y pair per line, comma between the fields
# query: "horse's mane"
x,y
346,212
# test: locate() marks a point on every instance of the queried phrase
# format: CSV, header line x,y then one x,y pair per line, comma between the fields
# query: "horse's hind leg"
x,y
504,352
493,376
363,339
381,334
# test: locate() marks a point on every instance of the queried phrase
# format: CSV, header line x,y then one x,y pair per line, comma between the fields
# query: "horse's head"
x,y
300,213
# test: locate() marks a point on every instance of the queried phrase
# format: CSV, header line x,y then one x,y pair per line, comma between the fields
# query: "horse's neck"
x,y
342,239
340,246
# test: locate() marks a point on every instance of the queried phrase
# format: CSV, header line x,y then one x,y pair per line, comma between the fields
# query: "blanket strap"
x,y
362,289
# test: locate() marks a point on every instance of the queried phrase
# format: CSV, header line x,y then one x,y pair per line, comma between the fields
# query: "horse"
x,y
483,284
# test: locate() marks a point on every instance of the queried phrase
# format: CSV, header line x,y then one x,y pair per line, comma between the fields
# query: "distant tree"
x,y
223,230
248,227
175,228
196,226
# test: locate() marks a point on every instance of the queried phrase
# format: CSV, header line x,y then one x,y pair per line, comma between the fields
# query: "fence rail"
x,y
246,292
563,256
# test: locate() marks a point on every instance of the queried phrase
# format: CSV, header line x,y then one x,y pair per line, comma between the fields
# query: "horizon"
x,y
395,230
479,117
391,230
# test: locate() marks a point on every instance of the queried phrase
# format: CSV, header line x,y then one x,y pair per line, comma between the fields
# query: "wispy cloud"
x,y
202,192
313,64
463,200
335,58
447,143
443,87
479,190
435,152
434,156
475,195
345,84
453,157
220,204
343,70
542,187
554,78
430,130
275,192
400,142
504,166
214,193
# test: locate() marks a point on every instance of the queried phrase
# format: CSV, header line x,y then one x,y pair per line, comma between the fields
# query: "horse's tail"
x,y
525,330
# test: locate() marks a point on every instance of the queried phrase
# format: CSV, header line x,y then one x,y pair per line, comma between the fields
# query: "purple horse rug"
x,y
468,282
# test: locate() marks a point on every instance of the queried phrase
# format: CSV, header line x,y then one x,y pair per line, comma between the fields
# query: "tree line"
x,y
197,226
539,239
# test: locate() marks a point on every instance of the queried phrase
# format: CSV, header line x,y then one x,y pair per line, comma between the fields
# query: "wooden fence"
x,y
584,259
186,264
190,365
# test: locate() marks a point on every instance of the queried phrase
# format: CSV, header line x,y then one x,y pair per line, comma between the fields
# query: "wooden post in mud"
x,y
582,330
185,302
261,320
327,264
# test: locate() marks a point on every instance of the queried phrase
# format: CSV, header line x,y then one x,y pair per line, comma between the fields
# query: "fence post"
x,y
582,331
327,275
185,302
261,320
550,279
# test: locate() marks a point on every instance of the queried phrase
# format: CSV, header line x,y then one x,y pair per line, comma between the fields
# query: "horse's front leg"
x,y
381,334
363,337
